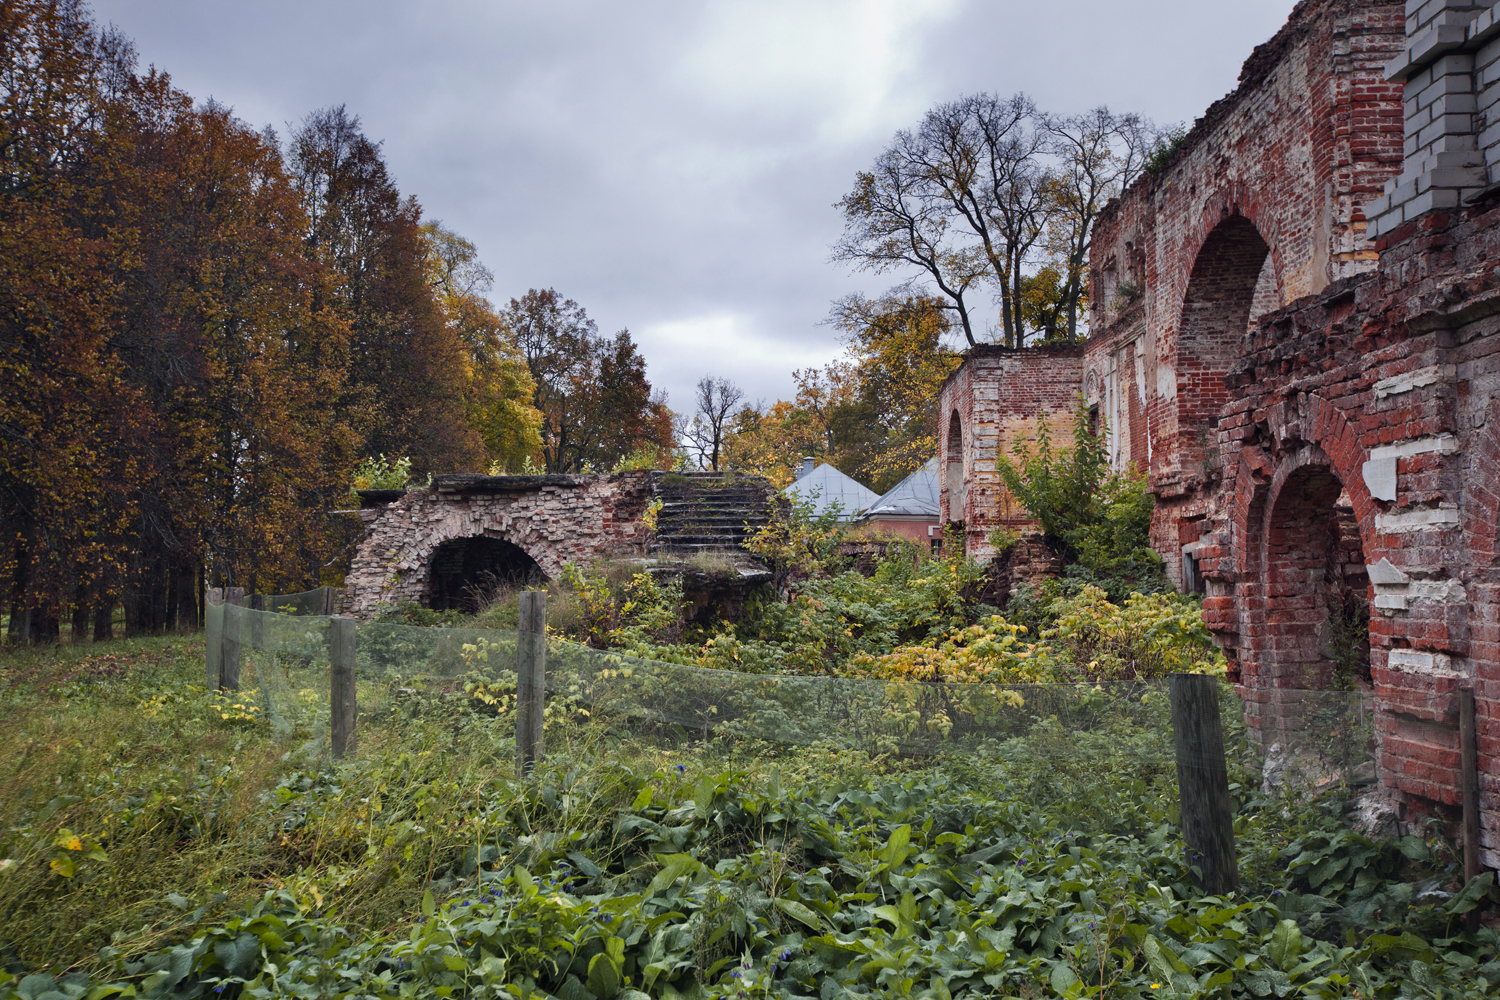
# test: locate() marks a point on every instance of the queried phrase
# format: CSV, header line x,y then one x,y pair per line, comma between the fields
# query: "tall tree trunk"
x,y
104,615
173,590
80,627
187,596
20,598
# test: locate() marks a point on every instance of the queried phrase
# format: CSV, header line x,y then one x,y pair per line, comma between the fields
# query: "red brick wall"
x,y
1403,363
1000,397
1276,172
1271,443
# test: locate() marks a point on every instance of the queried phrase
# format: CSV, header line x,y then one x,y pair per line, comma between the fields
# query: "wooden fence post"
x,y
1468,746
342,651
229,670
531,680
213,635
1203,781
327,596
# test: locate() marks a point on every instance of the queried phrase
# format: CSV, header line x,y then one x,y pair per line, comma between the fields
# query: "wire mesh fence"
x,y
284,660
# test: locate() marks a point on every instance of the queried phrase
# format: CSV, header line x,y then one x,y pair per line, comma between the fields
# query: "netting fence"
x,y
282,659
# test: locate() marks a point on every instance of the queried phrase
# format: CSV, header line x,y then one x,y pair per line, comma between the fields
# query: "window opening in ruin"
x,y
466,572
1216,312
954,479
1317,588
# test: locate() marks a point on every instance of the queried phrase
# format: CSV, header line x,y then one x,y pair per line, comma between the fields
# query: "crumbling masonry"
x,y
1296,334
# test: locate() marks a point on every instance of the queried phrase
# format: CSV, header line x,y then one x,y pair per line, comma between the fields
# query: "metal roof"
x,y
916,495
825,486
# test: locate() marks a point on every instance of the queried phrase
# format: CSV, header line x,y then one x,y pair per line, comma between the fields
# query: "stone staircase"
x,y
705,512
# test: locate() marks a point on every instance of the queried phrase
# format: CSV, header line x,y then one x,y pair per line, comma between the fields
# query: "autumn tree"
x,y
595,401
408,366
61,494
872,414
227,331
900,359
499,389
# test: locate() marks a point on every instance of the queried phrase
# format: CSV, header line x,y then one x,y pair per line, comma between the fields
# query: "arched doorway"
x,y
953,480
464,572
1231,276
1316,587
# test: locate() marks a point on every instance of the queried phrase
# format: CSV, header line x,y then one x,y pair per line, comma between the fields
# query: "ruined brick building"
x,y
1295,331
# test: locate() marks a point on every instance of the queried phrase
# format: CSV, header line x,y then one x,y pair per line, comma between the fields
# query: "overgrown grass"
x,y
118,745
205,856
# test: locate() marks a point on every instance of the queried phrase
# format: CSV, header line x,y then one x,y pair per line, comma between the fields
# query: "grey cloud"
x,y
673,166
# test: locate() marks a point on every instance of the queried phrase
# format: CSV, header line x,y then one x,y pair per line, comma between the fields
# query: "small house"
x,y
826,488
910,507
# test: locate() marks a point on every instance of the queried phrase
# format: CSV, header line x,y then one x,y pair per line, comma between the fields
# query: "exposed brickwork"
x,y
1319,411
995,401
554,519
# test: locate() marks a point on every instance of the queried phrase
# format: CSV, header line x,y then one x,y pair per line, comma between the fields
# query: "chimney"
x,y
807,465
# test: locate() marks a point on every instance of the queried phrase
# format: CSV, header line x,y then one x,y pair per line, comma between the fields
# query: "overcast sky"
x,y
673,166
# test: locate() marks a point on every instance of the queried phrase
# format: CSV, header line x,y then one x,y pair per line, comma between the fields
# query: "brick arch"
x,y
553,519
1230,202
413,564
1267,556
1213,316
1325,425
953,468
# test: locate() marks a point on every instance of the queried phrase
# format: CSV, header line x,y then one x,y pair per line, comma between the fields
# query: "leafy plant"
x,y
1164,148
1097,519
380,473
798,540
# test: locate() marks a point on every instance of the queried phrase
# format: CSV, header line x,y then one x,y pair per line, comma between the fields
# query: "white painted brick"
x,y
1452,83
1446,125
1453,104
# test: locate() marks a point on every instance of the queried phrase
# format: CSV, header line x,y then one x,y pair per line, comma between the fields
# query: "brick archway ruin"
x,y
1215,314
551,520
1327,251
448,545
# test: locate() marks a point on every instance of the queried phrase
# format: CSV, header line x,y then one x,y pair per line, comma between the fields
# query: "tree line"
x,y
204,327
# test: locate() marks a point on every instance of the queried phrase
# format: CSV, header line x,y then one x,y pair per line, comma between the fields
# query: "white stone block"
x,y
1380,477
1385,573
1416,520
1444,444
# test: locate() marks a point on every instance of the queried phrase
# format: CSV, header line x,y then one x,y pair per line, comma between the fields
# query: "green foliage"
x,y
1088,639
1042,866
797,540
1099,520
1166,145
1059,486
1153,635
380,473
1349,638
633,612
412,613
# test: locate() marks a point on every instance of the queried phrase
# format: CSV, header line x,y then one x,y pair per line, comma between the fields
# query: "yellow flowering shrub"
x,y
1151,636
990,652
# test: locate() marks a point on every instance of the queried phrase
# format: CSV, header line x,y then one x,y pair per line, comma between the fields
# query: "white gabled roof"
x,y
916,495
826,486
